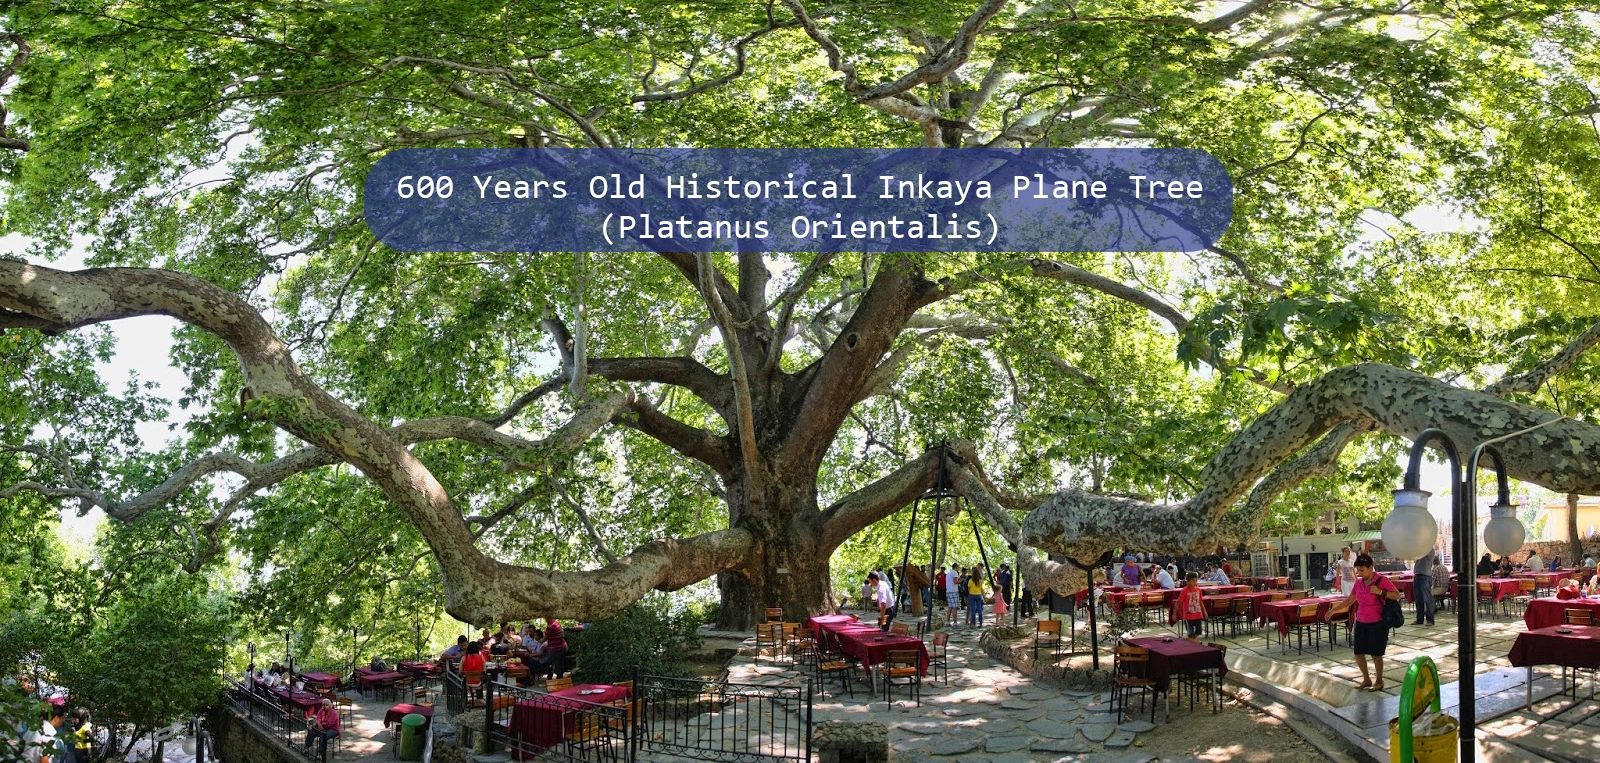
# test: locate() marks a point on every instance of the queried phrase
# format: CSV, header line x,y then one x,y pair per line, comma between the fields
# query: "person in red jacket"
x,y
1191,607
555,647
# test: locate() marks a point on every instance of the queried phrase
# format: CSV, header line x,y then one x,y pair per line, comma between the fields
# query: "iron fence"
x,y
528,723
726,722
266,712
455,690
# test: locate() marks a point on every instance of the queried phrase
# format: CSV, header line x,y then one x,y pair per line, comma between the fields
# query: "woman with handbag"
x,y
1377,601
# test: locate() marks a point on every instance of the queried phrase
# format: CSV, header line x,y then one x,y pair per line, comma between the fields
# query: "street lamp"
x,y
1410,531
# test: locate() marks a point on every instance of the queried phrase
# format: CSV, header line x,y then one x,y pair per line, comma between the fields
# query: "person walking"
x,y
1192,607
1371,637
1422,586
1347,572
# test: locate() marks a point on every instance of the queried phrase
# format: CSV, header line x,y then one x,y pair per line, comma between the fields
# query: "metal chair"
x,y
1207,679
1579,617
939,656
1047,633
831,662
902,666
1129,666
1305,619
1338,612
557,684
1486,599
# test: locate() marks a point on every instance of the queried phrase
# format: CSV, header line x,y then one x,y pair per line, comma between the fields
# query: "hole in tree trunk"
x,y
851,339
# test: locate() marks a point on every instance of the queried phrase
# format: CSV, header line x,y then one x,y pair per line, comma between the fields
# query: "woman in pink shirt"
x,y
1371,636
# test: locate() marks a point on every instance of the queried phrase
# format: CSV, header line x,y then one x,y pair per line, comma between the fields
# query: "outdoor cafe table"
x,y
1503,587
1579,648
404,709
1118,598
1559,575
1174,656
1256,598
867,643
547,719
1285,611
304,700
366,678
1548,611
817,623
321,679
1405,581
418,669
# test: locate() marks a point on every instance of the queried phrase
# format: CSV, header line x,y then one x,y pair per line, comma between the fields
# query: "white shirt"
x,y
45,740
1164,579
885,594
1588,561
1536,562
952,584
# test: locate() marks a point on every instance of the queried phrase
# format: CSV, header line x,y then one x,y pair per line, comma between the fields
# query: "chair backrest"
x,y
1123,656
472,677
1040,628
774,613
766,634
1218,606
624,684
1219,648
1338,610
1277,596
1579,617
1527,584
899,629
790,631
941,638
557,684
903,657
1485,589
1307,612
1239,606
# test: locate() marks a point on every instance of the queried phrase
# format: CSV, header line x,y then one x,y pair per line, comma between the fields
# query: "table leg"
x,y
1530,688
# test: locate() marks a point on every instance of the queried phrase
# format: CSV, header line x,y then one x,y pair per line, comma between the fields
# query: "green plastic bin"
x,y
411,736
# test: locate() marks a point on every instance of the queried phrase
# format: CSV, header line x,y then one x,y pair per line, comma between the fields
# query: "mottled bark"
x,y
1562,457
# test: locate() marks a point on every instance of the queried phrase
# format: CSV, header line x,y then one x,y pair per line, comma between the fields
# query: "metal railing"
x,y
455,690
729,722
528,723
267,713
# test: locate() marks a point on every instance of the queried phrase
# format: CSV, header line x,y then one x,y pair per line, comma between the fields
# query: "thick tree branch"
x,y
882,498
701,445
1534,378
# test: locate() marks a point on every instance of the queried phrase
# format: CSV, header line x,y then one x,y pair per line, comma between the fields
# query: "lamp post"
x,y
1410,531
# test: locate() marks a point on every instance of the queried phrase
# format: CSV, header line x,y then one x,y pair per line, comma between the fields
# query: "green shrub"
x,y
647,637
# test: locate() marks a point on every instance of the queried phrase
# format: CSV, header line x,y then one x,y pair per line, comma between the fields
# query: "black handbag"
x,y
1393,617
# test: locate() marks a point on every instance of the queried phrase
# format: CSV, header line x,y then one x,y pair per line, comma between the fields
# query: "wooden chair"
x,y
1208,680
899,629
831,662
791,639
557,684
939,656
1305,619
1578,616
1544,585
1216,614
902,666
347,712
769,638
590,733
1238,615
774,614
1527,589
421,695
1485,599
1046,633
1129,666
473,679
1338,612
626,685
1277,596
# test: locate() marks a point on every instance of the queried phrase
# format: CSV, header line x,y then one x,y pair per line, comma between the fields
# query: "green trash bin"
x,y
411,736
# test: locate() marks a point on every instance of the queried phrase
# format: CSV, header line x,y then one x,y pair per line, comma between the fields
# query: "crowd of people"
x,y
542,650
59,736
962,590
1140,569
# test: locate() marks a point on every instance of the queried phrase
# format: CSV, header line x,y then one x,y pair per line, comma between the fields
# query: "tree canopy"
x,y
560,433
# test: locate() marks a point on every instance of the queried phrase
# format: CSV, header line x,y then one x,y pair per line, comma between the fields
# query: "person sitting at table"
x,y
321,727
1536,562
1214,574
1588,562
555,645
535,656
499,645
1371,637
1568,589
1164,577
1486,567
456,651
1130,571
1593,587
1555,564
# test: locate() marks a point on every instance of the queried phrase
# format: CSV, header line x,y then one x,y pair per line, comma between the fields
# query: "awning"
x,y
1365,535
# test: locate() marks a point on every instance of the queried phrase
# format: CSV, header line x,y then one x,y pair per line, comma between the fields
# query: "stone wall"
x,y
1002,644
1550,549
234,739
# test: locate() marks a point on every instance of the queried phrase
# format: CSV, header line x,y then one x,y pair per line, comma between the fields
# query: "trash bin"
x,y
411,736
1435,748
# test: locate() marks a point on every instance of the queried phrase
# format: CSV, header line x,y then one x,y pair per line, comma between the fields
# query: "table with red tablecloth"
x,y
1578,647
867,643
1254,597
1286,611
303,700
1503,587
366,678
320,679
1548,611
1174,656
404,709
420,668
1082,596
1406,583
1118,599
544,721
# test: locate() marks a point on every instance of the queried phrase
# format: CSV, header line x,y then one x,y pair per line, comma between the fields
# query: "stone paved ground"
x,y
989,711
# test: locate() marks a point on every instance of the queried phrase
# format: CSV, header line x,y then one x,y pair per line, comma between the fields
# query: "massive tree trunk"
x,y
786,566
1574,541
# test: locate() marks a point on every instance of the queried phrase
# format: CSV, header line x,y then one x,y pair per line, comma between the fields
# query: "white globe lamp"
x,y
1503,535
1409,531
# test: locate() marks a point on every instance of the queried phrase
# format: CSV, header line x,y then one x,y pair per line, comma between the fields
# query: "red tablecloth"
x,y
414,667
545,721
1578,649
1119,598
1543,613
1172,656
1503,587
304,700
402,710
1083,593
1286,611
816,623
1251,596
367,678
868,643
321,679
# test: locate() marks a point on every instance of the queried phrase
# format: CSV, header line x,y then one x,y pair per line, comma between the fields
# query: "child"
x,y
1191,608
